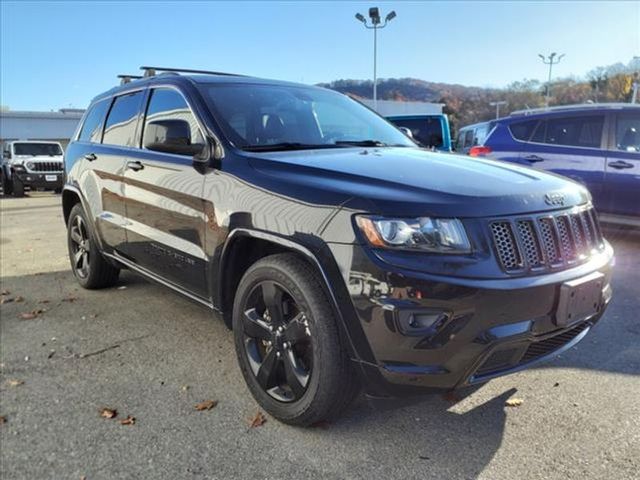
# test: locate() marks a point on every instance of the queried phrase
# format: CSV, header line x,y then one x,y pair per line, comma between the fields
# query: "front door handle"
x,y
620,164
533,158
91,157
135,165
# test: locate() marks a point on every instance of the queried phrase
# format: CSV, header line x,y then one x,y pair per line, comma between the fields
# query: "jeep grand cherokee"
x,y
341,254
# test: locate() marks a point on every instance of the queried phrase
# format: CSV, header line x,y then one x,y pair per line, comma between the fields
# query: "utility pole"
x,y
552,60
497,105
375,25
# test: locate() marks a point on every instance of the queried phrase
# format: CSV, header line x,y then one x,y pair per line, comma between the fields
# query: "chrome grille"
x,y
47,167
547,241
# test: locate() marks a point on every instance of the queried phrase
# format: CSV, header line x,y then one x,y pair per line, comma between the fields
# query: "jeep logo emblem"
x,y
554,199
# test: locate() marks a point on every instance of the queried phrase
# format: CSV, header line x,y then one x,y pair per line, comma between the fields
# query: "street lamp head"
x,y
361,18
553,54
390,16
374,14
541,56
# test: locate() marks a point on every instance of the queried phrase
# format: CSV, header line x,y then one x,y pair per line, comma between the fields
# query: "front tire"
x,y
288,345
17,187
7,185
87,263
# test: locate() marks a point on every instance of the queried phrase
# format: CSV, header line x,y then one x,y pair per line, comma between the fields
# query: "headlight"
x,y
438,235
31,165
18,167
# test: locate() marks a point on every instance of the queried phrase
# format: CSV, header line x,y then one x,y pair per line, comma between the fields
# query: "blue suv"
x,y
597,145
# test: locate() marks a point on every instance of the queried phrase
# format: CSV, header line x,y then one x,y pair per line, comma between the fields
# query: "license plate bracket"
x,y
580,299
51,178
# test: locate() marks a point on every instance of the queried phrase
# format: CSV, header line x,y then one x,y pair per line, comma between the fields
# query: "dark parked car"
x,y
429,130
341,255
597,145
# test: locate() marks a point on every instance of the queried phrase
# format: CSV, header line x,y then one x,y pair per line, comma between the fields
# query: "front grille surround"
x,y
46,167
552,241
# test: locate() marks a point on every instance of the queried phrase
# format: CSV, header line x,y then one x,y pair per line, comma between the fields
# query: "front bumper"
x,y
484,328
51,180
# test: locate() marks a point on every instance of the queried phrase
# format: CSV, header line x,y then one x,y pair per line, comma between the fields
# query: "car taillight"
x,y
479,151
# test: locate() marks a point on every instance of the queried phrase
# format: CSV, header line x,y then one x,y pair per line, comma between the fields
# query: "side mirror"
x,y
406,131
172,136
7,154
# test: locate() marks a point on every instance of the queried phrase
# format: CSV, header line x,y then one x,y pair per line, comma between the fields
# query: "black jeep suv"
x,y
341,254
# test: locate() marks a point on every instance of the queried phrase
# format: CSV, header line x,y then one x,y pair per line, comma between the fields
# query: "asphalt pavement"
x,y
148,353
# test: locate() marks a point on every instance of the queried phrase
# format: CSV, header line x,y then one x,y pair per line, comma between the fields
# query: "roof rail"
x,y
128,78
576,106
151,71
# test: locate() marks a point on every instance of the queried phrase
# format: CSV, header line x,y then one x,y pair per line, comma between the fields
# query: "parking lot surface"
x,y
151,354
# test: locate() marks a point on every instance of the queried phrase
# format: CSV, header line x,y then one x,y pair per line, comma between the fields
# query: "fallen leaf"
x,y
43,301
3,419
108,412
51,354
184,388
206,405
423,457
128,421
70,299
4,300
450,396
19,299
5,292
258,420
557,384
15,383
514,402
32,314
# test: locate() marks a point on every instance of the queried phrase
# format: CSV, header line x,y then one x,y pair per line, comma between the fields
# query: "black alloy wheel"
x,y
277,341
80,247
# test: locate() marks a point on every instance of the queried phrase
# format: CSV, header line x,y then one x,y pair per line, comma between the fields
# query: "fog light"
x,y
421,323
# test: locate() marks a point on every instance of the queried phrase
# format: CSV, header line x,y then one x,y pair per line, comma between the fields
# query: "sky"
x,y
61,54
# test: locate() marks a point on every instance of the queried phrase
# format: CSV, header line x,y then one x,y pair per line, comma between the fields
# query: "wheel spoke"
x,y
87,245
296,377
296,330
267,372
272,296
85,262
77,257
254,326
75,236
79,224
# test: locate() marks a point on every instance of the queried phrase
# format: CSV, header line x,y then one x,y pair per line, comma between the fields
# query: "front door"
x,y
623,165
165,213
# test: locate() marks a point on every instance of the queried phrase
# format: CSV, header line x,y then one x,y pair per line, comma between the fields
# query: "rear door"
x,y
166,221
572,145
622,178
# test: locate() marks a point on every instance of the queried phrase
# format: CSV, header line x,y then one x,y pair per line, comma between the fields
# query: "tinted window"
x,y
168,104
468,138
523,130
120,128
628,132
92,126
583,131
427,131
36,149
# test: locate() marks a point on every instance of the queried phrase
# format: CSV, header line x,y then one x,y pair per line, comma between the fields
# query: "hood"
x,y
408,181
37,158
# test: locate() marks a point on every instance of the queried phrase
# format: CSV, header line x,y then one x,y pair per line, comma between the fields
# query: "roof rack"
x,y
128,78
151,71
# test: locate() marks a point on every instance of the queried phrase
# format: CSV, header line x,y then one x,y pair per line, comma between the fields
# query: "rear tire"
x,y
309,375
7,186
17,187
87,263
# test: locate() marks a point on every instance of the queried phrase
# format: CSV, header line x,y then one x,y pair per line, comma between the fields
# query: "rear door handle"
x,y
533,158
91,157
620,164
135,165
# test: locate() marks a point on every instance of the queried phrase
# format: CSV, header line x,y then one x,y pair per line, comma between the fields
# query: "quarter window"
x,y
92,127
523,130
628,132
120,128
583,131
168,104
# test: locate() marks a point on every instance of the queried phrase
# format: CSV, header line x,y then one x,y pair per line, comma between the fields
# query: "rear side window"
x,y
91,129
168,104
523,130
628,132
120,128
582,131
468,138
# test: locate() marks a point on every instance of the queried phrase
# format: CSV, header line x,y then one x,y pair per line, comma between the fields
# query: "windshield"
x,y
274,117
33,149
426,130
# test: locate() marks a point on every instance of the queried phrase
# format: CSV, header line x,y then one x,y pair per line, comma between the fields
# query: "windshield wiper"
x,y
288,146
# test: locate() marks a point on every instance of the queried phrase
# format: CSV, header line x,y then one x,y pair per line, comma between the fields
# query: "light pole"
x,y
497,105
552,60
375,25
635,85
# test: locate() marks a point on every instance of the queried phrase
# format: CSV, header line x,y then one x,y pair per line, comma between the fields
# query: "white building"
x,y
56,126
388,108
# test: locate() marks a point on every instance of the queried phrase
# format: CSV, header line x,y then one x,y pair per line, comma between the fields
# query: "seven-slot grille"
x,y
47,167
547,241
